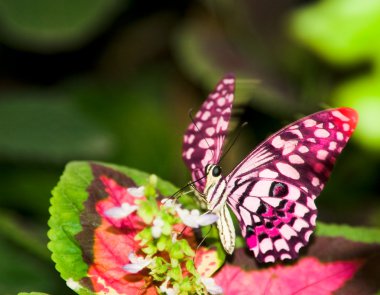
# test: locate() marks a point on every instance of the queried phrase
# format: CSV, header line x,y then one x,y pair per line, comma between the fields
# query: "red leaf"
x,y
307,276
114,240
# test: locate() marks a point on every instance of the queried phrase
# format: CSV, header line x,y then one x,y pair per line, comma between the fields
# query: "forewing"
x,y
272,191
203,140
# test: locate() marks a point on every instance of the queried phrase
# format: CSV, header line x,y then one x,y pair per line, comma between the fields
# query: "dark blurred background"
x,y
113,80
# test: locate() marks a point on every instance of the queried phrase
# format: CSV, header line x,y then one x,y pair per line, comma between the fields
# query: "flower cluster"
x,y
167,244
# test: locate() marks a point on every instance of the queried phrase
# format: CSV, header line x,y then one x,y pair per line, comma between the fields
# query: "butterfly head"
x,y
213,175
213,170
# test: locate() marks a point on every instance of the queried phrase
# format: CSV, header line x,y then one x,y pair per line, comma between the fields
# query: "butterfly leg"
x,y
201,198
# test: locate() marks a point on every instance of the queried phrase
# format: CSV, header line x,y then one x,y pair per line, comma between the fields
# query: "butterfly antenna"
x,y
238,132
192,120
202,241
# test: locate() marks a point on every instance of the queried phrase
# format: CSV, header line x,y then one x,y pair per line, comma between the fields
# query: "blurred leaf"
x,y
46,26
345,32
358,234
42,129
205,54
21,236
341,31
32,293
307,276
22,271
363,94
144,117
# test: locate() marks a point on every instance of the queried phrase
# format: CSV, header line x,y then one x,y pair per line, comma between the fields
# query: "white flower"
x,y
170,203
158,223
211,287
168,291
73,285
120,212
137,263
136,192
194,219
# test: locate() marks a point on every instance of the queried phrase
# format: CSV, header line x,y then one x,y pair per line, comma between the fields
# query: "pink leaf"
x,y
307,276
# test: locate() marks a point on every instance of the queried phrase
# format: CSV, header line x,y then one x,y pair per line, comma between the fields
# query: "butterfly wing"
x,y
203,140
272,191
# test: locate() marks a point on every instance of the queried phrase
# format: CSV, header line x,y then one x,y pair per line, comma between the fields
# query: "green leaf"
x,y
176,251
175,273
48,128
64,223
191,267
149,249
162,243
342,31
67,204
46,26
185,248
356,234
148,210
20,270
22,237
32,293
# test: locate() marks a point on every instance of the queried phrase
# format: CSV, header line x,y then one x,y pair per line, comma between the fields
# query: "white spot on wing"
x,y
210,131
321,133
189,152
303,149
309,123
266,245
206,143
322,155
339,115
269,258
298,246
287,232
339,135
308,234
289,146
281,244
277,142
285,256
287,170
332,145
313,219
295,159
300,224
300,210
267,173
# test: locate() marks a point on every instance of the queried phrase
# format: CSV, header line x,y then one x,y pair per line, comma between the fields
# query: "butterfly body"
x,y
272,191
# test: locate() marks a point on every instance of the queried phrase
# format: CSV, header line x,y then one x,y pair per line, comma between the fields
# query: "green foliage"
x,y
43,25
64,223
352,233
32,123
346,33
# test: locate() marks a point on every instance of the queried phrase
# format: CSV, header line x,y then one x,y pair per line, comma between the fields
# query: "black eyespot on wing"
x,y
216,171
278,189
250,231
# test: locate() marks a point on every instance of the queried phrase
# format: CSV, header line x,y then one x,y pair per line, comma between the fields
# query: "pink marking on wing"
x,y
252,241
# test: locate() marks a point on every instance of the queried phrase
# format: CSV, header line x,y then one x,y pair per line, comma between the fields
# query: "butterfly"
x,y
272,191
